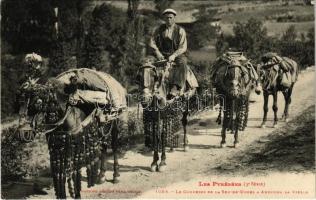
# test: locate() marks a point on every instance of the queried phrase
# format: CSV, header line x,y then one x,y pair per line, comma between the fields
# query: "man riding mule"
x,y
169,42
277,74
166,89
79,111
233,77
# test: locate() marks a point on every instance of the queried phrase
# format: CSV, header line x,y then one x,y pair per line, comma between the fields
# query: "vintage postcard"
x,y
162,99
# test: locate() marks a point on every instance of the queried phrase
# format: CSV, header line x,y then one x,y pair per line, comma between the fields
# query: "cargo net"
x,y
69,153
169,124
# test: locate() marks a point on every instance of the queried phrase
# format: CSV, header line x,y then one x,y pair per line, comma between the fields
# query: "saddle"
x,y
163,69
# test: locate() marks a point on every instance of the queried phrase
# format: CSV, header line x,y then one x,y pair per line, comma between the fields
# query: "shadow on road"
x,y
290,148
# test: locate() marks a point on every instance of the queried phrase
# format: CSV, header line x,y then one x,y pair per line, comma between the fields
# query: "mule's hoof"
x,y
275,126
116,180
162,168
286,120
101,180
223,145
171,150
186,148
263,126
236,145
153,168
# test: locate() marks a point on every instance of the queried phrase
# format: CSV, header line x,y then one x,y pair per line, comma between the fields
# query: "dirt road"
x,y
206,162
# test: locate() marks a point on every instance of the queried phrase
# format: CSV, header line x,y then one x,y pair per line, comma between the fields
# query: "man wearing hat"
x,y
169,42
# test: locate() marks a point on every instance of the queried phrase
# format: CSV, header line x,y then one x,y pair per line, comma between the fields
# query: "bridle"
x,y
265,71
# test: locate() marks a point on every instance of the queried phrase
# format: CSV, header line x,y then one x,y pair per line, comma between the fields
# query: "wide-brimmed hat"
x,y
169,11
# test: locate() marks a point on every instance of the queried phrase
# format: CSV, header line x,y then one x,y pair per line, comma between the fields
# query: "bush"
x,y
161,5
11,72
20,159
202,32
251,38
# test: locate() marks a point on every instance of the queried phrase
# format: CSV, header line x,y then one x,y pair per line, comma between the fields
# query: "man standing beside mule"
x,y
169,42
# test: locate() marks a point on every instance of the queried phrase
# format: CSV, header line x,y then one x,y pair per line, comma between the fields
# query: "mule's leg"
x,y
154,164
287,97
116,173
184,124
275,109
169,131
70,187
265,108
76,176
77,183
102,178
236,126
162,166
223,133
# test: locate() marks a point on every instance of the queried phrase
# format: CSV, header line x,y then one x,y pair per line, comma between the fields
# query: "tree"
x,y
161,5
290,34
68,41
249,37
104,43
202,32
221,45
27,25
132,8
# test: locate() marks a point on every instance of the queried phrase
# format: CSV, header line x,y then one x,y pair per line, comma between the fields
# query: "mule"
x,y
271,76
76,136
233,82
161,114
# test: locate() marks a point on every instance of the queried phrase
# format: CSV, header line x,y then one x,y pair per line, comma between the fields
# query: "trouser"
x,y
179,72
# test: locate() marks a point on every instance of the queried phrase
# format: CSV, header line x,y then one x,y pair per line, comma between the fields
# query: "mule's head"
x,y
38,106
268,72
151,84
235,81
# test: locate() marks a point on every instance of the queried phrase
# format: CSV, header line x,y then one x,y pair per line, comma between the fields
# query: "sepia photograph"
x,y
158,99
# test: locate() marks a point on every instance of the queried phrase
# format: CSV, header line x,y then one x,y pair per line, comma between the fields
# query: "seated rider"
x,y
169,42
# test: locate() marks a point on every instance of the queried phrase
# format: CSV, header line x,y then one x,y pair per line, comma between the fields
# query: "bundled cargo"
x,y
93,87
222,63
287,67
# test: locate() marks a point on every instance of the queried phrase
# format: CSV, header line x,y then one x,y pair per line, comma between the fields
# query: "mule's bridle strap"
x,y
60,122
84,123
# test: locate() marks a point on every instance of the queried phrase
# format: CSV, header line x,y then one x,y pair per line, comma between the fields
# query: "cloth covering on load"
x,y
288,66
97,87
220,67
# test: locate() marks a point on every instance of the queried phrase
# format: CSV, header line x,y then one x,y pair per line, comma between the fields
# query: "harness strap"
x,y
60,122
84,123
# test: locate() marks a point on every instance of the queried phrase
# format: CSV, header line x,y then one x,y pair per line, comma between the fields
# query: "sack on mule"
x,y
286,80
90,97
95,87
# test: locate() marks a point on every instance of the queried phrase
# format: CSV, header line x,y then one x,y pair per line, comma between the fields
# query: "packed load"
x,y
286,66
220,67
93,87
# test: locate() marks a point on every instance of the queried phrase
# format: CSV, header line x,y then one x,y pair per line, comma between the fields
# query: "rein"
x,y
57,124
268,79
